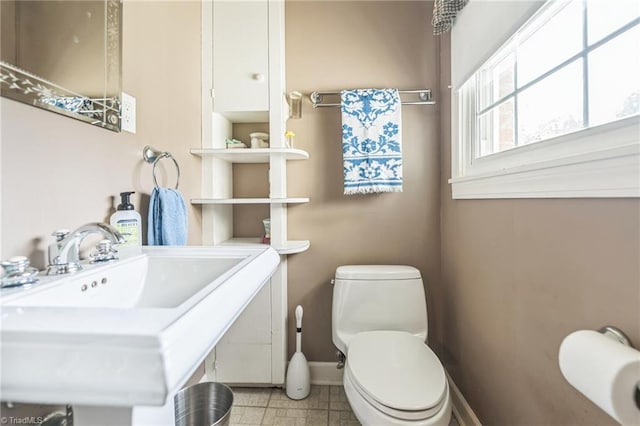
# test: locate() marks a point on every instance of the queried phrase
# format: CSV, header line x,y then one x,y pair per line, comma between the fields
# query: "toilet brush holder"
x,y
298,385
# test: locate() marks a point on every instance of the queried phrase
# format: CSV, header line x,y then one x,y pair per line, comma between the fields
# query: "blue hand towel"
x,y
167,218
371,141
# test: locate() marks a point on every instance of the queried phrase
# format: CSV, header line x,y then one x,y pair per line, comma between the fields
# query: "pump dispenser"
x,y
125,201
128,222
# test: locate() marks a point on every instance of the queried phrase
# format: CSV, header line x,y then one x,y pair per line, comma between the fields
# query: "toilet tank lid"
x,y
377,272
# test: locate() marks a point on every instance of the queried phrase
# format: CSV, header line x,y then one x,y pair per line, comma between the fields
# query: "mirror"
x,y
63,56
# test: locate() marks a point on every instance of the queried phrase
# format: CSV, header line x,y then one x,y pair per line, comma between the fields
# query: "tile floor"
x,y
325,406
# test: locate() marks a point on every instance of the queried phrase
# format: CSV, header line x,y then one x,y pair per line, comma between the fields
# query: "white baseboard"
x,y
461,408
325,373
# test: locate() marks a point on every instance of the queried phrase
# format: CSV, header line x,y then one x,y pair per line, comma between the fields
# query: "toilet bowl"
x,y
379,322
393,378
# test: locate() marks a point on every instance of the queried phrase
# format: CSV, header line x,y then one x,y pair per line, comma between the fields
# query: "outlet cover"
x,y
128,113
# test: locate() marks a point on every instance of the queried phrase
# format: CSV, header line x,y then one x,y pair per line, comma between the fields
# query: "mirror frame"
x,y
23,86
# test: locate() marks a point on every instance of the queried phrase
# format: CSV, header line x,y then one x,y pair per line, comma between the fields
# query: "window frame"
x,y
576,164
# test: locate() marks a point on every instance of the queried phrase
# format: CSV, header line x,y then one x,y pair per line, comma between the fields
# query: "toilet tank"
x,y
377,297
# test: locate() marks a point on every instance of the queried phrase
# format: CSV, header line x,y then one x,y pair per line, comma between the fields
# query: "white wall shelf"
x,y
250,155
249,200
289,247
293,246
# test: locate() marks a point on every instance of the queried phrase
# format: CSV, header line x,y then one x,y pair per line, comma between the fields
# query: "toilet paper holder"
x,y
603,371
616,334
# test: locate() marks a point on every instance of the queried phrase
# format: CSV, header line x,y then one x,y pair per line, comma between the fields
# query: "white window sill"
x,y
612,172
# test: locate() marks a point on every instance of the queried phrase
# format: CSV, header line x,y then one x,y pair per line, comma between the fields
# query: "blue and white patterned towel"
x,y
371,141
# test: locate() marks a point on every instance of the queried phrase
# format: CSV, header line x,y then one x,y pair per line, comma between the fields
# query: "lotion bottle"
x,y
128,222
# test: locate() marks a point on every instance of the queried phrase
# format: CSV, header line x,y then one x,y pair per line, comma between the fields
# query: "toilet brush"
x,y
298,379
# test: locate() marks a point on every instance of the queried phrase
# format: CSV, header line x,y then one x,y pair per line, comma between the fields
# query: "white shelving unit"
x,y
246,85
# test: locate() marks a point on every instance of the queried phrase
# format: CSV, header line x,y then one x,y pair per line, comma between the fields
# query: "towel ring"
x,y
154,156
155,163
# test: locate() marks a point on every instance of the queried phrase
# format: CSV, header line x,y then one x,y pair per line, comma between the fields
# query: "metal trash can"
x,y
204,404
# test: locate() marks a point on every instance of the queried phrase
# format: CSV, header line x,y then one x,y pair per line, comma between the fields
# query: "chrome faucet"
x,y
68,258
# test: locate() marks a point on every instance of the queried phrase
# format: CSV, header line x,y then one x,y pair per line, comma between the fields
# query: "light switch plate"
x,y
128,113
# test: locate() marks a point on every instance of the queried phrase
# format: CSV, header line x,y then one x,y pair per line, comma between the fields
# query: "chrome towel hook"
x,y
153,156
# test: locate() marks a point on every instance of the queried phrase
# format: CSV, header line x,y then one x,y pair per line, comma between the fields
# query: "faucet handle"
x,y
17,271
104,252
60,234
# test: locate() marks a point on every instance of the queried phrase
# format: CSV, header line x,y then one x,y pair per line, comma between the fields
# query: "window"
x,y
555,111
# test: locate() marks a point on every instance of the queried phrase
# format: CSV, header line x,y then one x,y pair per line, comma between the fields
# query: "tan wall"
x,y
341,45
518,276
58,172
252,180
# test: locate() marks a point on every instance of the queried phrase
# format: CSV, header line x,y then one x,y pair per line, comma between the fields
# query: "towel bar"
x,y
424,98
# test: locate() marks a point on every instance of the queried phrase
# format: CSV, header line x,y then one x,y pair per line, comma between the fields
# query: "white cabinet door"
x,y
241,56
243,363
243,355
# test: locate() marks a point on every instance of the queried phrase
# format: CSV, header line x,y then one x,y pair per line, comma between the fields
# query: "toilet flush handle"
x,y
341,360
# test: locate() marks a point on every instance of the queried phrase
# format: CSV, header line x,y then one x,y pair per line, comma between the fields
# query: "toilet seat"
x,y
397,374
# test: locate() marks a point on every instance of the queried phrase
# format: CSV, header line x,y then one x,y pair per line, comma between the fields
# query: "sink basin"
x,y
156,281
127,333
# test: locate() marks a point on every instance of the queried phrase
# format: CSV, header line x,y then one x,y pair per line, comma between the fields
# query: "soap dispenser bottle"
x,y
128,222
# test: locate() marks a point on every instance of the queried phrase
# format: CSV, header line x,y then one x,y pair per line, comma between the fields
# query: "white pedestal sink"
x,y
125,334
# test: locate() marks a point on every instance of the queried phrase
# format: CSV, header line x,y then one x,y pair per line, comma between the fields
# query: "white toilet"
x,y
379,321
